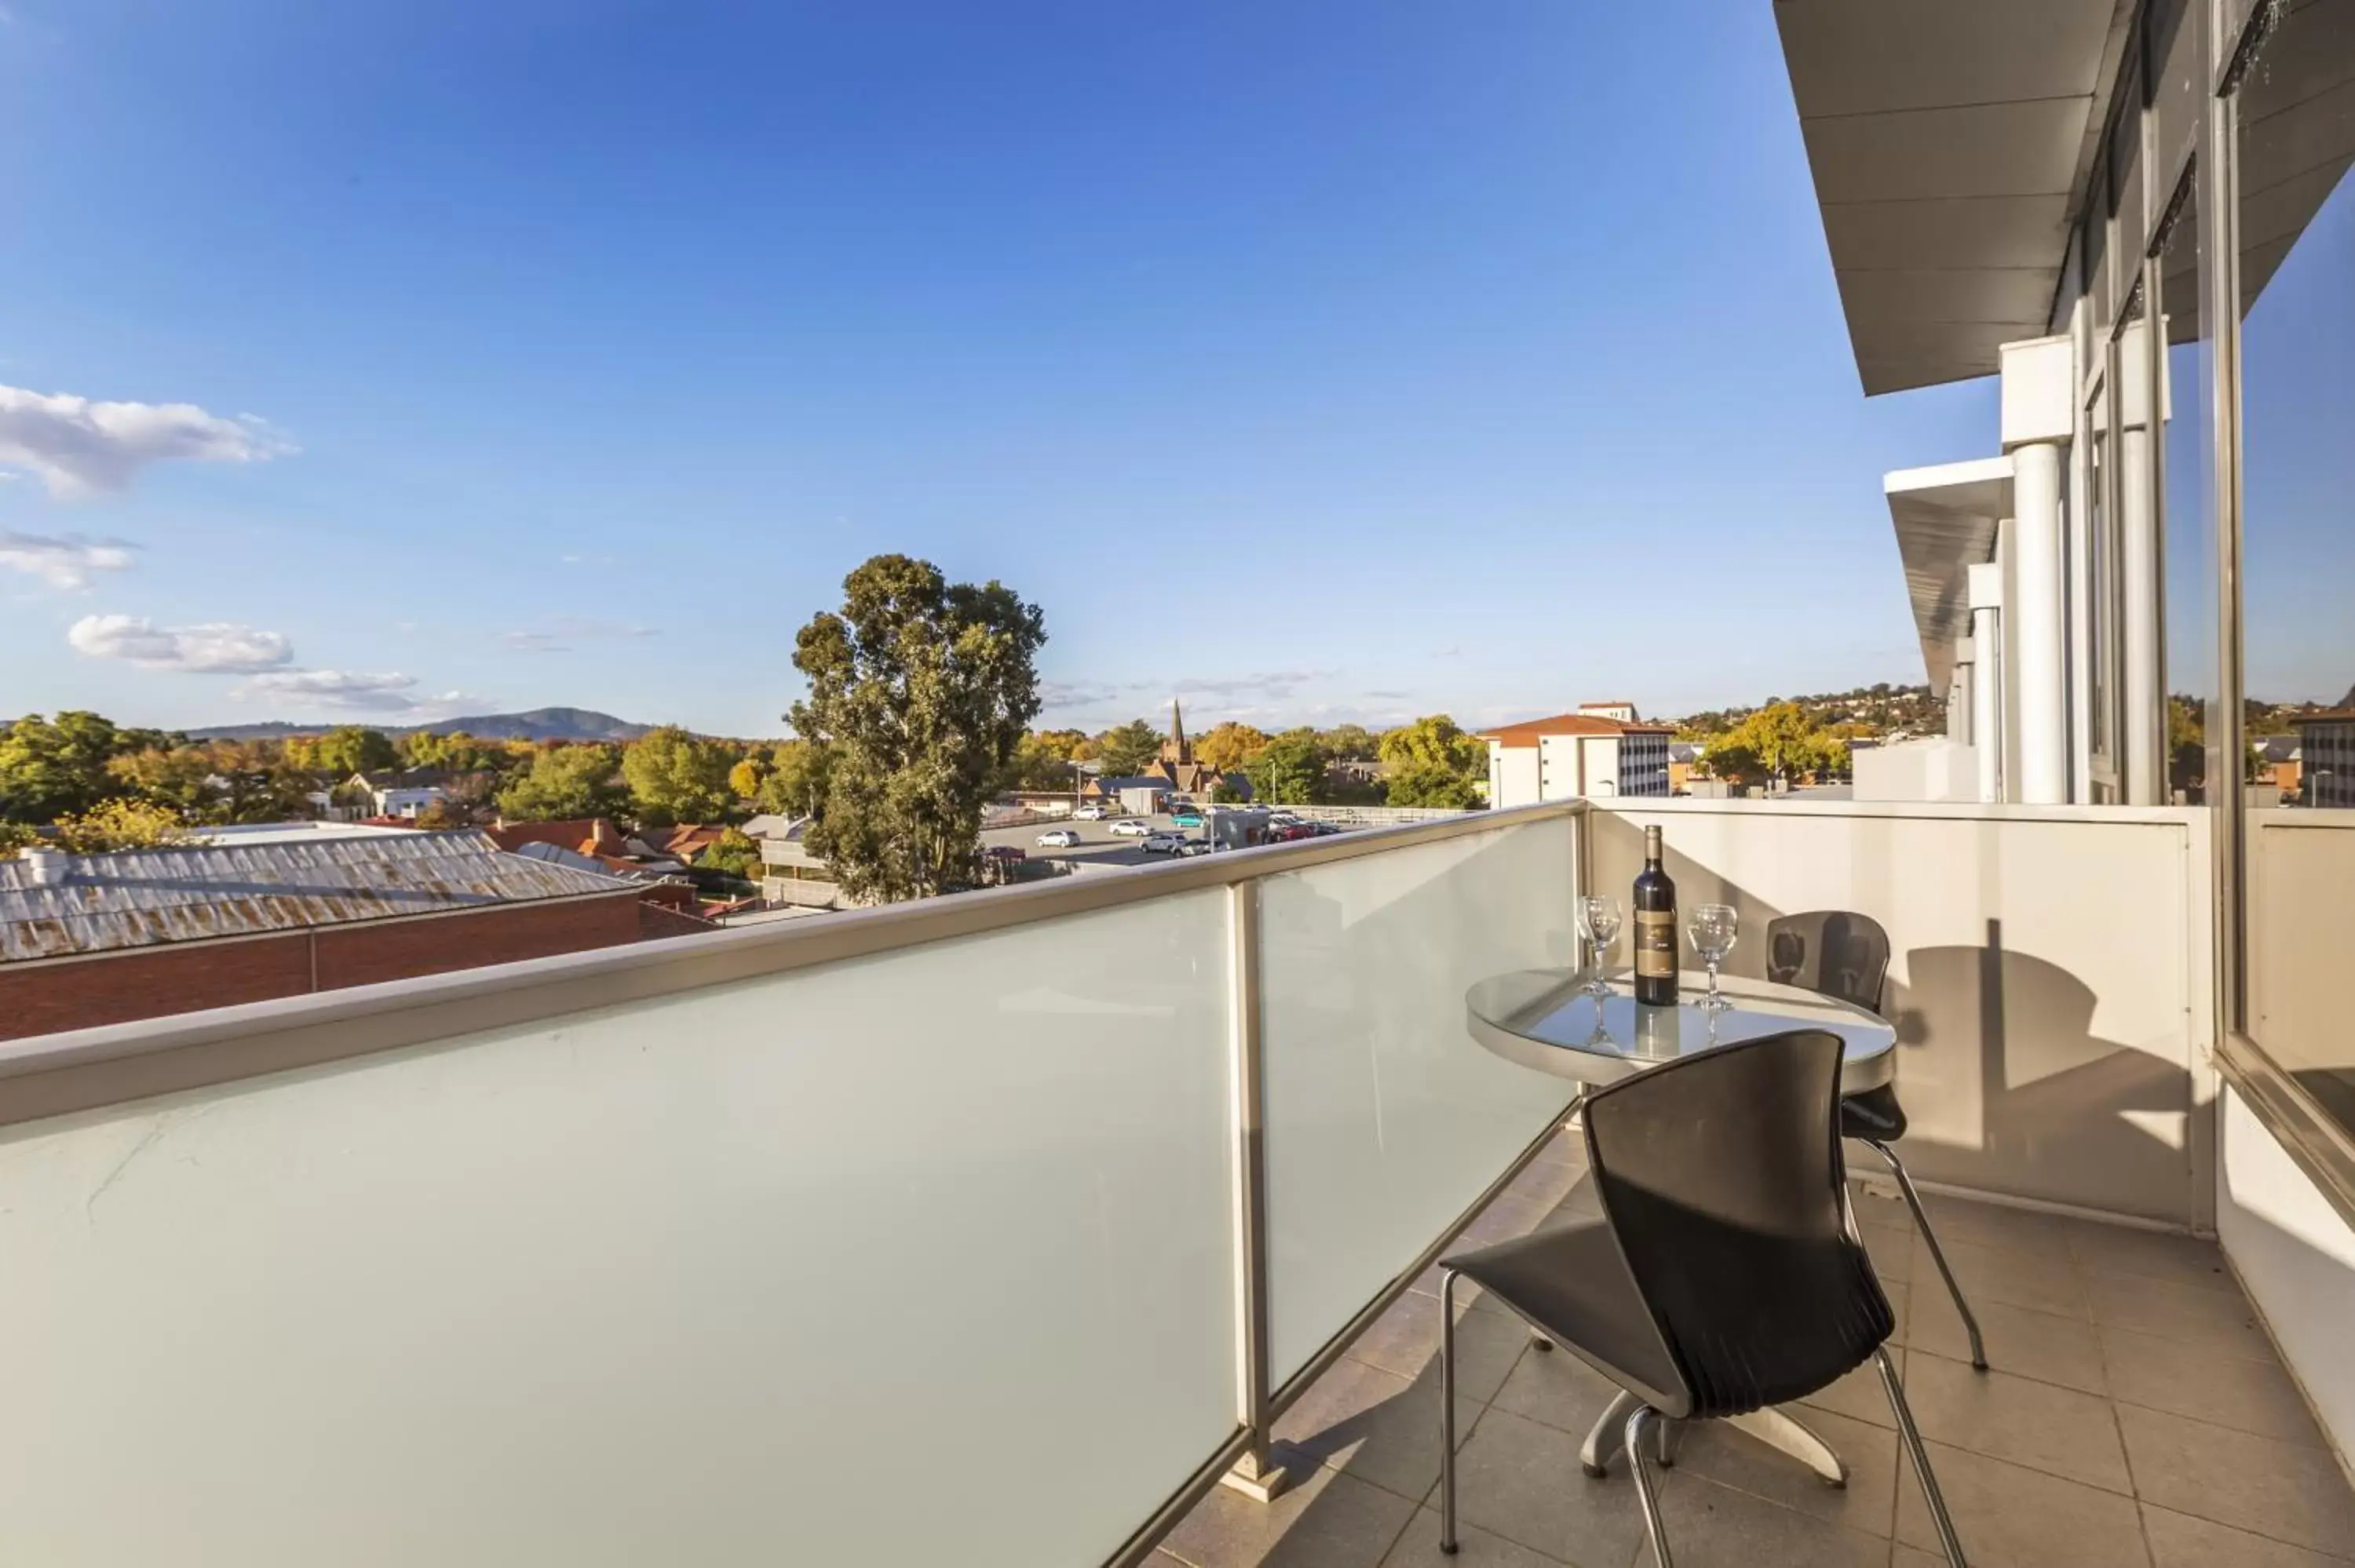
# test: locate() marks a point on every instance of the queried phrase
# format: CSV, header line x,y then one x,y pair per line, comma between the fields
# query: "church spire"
x,y
1178,729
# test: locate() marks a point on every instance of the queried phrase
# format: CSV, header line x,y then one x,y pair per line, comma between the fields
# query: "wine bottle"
x,y
1655,928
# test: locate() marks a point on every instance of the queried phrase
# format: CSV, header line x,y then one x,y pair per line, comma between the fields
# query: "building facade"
x,y
1576,756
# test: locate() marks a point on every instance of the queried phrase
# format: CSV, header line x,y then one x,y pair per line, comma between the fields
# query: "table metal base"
x,y
1782,1432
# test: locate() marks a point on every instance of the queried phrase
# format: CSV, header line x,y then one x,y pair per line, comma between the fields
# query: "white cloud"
x,y
388,693
1277,685
215,647
66,562
567,629
79,447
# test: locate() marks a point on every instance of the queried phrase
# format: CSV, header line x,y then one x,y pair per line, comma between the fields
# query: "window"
x,y
2101,557
2187,493
2295,124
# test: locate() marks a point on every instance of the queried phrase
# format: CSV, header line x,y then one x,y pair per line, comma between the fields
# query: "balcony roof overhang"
x,y
1946,519
1949,145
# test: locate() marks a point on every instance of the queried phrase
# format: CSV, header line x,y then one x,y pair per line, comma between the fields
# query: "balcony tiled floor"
x,y
2135,1415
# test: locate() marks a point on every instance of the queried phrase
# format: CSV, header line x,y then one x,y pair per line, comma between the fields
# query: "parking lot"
x,y
1097,846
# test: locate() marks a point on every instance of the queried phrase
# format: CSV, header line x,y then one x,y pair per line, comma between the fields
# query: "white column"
x,y
1987,677
2039,627
1958,694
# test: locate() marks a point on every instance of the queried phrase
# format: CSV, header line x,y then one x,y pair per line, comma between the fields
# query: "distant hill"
x,y
539,724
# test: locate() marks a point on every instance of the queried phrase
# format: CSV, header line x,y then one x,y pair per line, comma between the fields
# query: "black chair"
x,y
1845,956
1724,1276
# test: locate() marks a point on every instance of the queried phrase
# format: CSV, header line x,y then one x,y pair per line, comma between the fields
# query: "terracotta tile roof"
x,y
1530,731
576,833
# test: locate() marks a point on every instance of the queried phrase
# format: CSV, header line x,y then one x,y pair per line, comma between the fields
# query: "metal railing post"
x,y
1260,1472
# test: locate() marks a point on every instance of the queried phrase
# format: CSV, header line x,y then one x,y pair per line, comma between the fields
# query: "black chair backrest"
x,y
1833,952
1719,1175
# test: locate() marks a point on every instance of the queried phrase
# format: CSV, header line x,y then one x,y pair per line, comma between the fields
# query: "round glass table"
x,y
1545,1019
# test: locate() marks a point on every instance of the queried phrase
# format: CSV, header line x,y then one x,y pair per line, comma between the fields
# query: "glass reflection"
x,y
2295,115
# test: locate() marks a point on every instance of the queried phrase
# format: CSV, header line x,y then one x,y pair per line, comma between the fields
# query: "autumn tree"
x,y
457,752
1230,746
1347,743
564,782
733,853
53,767
1289,770
796,783
1779,742
676,775
1128,750
920,691
1434,763
120,825
744,779
353,748
1038,762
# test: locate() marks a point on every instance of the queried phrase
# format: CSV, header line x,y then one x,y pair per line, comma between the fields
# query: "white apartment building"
x,y
1601,750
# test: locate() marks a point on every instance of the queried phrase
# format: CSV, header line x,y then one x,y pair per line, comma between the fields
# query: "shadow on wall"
x,y
2006,1085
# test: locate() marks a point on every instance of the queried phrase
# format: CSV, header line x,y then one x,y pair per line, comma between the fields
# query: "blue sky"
x,y
1312,362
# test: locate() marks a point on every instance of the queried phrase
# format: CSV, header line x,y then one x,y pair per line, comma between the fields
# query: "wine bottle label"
x,y
1655,943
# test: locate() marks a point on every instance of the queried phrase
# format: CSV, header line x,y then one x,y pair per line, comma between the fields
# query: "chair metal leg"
x,y
1608,1434
1905,1428
1937,1254
1447,1412
1642,1472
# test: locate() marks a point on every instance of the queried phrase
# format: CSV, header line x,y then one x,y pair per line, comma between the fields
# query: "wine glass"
x,y
1598,917
1712,930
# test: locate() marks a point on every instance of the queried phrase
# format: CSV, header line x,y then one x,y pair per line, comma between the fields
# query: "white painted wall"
x,y
1512,776
2049,976
2296,1258
1916,771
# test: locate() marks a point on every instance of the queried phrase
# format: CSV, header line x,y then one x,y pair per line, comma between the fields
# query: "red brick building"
x,y
93,939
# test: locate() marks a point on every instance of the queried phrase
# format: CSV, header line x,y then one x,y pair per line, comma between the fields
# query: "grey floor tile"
x,y
1914,1557
2060,1431
2152,1254
2286,1491
2179,1541
1877,1208
1329,1520
1707,1523
1405,1341
1419,1548
1556,1389
1567,1146
1376,1426
1891,1253
1716,1452
1999,1225
1545,1183
1858,1395
1519,1480
2040,1345
2207,1319
2039,1281
2012,1517
2184,1380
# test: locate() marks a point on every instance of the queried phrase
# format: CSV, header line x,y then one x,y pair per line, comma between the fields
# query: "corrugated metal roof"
x,y
138,897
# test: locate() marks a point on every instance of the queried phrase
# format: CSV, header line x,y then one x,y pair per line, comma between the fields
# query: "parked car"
x,y
1285,833
1058,838
1283,820
1185,817
1192,847
1091,813
1164,844
1130,828
1006,853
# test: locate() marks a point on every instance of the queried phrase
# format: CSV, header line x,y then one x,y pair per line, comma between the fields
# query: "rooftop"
x,y
94,904
1530,731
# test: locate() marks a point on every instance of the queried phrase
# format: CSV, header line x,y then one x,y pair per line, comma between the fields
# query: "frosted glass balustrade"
x,y
918,1259
1384,1119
